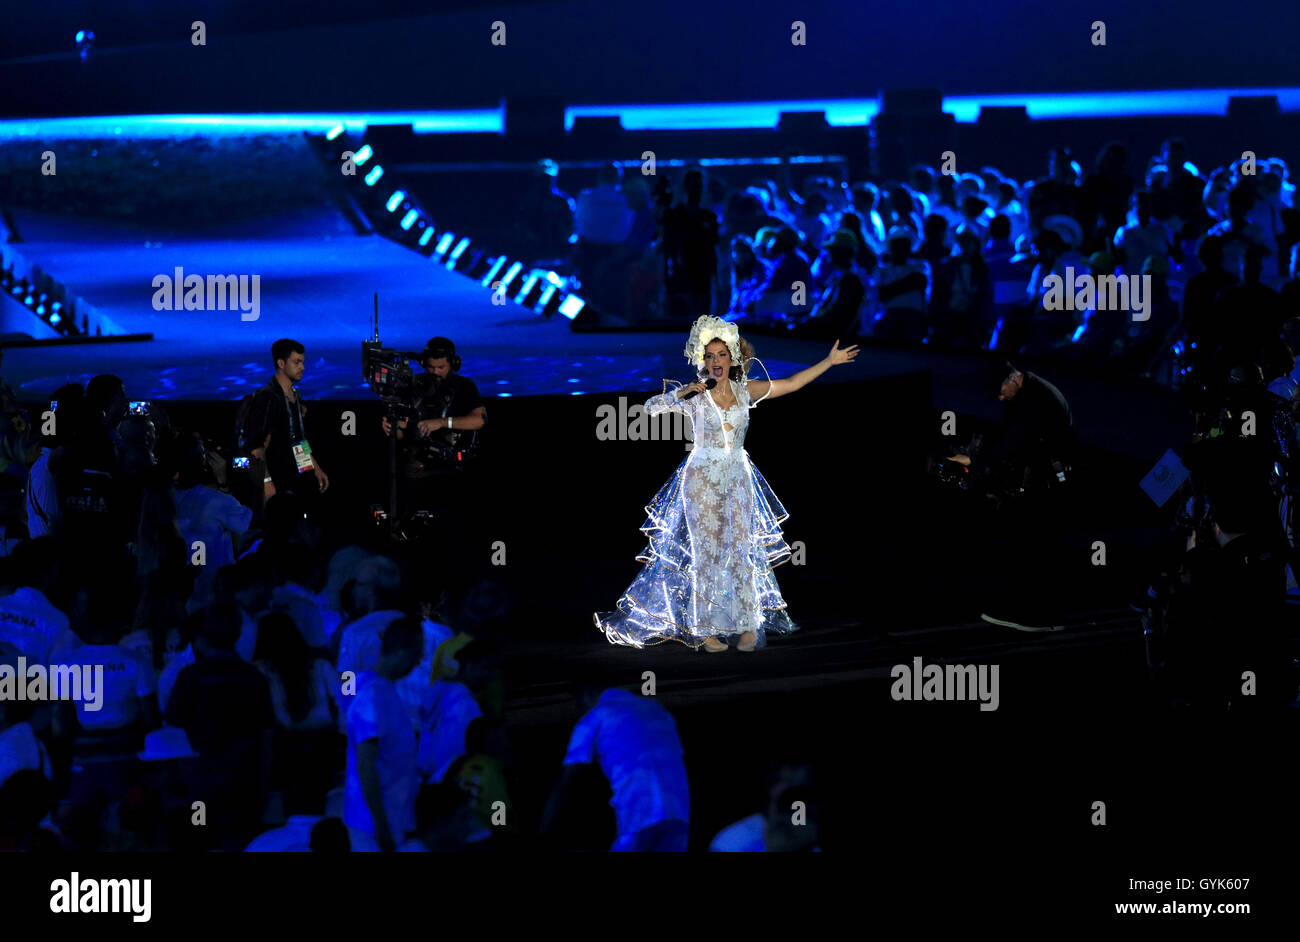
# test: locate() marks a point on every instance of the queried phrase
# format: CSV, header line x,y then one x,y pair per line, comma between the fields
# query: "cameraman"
x,y
277,420
1026,470
449,414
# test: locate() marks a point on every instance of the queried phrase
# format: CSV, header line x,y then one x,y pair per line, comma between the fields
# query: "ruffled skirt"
x,y
714,538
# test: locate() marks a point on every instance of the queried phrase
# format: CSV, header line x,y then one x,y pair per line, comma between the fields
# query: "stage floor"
x,y
316,284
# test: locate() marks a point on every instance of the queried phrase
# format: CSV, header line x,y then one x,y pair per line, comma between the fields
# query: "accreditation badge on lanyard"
x,y
301,448
302,456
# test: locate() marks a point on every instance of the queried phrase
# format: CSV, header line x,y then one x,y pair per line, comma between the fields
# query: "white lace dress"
x,y
714,537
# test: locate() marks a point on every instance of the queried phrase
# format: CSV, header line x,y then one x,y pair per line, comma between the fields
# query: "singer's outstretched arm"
x,y
758,388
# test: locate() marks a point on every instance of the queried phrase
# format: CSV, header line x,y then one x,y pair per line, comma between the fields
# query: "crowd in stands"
x,y
951,259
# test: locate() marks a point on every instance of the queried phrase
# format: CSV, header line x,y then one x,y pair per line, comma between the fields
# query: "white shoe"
x,y
714,646
1019,627
747,645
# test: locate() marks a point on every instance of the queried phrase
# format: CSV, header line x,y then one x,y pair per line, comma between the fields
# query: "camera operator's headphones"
x,y
441,348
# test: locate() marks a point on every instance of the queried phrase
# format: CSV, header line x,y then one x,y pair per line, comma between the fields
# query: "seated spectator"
x,y
304,688
1249,313
1056,194
1136,243
865,256
308,833
840,302
934,248
301,596
634,741
946,205
813,221
447,711
962,312
1237,233
975,215
182,659
19,746
1267,217
206,516
748,276
771,830
25,801
382,772
125,697
905,287
224,705
1009,205
999,247
789,278
865,198
28,619
447,822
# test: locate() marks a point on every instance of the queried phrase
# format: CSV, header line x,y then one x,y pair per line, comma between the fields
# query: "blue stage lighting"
x,y
409,219
496,267
364,154
456,253
511,274
572,306
373,176
395,200
547,293
527,288
334,132
426,235
443,246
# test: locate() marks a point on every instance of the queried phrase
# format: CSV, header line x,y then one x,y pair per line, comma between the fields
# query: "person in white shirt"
x,y
382,775
126,692
635,743
42,499
1136,243
604,216
865,198
1266,214
208,516
28,620
448,709
906,284
19,746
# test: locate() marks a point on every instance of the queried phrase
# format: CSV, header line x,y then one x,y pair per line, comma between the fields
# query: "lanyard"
x,y
300,434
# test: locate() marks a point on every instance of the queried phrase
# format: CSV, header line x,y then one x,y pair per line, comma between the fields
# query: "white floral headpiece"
x,y
704,331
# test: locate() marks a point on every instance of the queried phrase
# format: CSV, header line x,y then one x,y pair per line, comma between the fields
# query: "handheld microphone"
x,y
709,384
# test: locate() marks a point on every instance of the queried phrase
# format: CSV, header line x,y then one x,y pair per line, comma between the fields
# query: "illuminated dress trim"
x,y
714,538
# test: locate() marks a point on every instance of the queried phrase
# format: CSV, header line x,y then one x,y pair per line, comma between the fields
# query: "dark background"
x,y
309,55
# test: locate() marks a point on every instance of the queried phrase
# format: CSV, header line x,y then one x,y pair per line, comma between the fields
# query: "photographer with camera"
x,y
1027,472
277,430
448,415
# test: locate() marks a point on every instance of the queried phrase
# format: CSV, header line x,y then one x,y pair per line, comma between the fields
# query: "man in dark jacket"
x,y
276,426
1027,468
